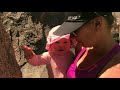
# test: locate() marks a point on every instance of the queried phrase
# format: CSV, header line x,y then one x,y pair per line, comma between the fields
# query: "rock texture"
x,y
30,28
9,67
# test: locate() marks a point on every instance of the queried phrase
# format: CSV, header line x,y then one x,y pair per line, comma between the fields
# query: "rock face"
x,y
9,67
23,31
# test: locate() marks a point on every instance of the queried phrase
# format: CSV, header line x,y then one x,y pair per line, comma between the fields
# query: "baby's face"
x,y
61,47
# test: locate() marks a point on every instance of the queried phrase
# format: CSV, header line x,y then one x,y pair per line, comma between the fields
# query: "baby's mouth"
x,y
61,50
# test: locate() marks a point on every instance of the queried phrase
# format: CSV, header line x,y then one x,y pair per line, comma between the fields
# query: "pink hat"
x,y
53,38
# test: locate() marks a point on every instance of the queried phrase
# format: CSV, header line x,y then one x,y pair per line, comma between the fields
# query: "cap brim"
x,y
67,28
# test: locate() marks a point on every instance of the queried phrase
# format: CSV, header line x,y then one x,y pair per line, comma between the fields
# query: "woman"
x,y
93,29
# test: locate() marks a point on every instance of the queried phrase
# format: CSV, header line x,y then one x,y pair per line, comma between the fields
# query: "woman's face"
x,y
61,47
86,34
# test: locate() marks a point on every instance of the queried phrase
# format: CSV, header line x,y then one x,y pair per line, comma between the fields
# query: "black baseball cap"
x,y
74,20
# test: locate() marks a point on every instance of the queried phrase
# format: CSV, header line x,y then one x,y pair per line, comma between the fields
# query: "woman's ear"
x,y
98,22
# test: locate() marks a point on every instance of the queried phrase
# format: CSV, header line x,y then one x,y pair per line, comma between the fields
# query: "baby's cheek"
x,y
68,46
54,48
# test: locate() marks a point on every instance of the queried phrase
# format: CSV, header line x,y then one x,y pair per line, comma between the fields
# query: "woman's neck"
x,y
103,47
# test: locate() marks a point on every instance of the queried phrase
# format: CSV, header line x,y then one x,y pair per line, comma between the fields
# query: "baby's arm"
x,y
34,59
41,59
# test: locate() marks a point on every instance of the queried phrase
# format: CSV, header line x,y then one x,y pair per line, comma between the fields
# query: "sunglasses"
x,y
74,33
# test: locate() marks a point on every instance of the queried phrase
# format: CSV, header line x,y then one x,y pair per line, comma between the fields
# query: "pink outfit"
x,y
72,68
57,65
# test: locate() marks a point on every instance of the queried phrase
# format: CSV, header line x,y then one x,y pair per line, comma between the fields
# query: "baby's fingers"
x,y
29,55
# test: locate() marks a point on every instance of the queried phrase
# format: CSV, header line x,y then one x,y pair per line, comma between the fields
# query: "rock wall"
x,y
23,31
9,67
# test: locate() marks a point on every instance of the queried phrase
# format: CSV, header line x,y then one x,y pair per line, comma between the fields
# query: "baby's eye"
x,y
56,42
66,42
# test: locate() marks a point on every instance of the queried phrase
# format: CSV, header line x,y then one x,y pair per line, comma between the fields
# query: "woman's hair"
x,y
110,20
108,16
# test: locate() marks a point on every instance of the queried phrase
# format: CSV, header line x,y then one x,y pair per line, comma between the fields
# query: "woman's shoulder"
x,y
112,68
115,61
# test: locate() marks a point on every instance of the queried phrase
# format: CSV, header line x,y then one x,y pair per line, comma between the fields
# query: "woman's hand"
x,y
27,51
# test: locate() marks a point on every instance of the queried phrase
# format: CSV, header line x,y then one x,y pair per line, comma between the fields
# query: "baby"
x,y
58,58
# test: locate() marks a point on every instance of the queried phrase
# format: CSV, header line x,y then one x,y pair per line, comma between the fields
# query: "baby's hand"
x,y
28,52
